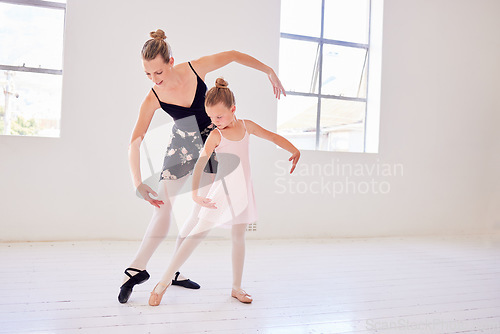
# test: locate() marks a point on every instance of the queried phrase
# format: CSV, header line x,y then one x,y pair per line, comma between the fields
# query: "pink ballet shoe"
x,y
155,298
242,296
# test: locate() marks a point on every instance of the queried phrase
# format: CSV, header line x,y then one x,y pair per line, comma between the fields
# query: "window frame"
x,y
42,70
321,41
35,3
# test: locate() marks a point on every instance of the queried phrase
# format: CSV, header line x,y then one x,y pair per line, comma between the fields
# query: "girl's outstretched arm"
x,y
210,63
212,141
282,142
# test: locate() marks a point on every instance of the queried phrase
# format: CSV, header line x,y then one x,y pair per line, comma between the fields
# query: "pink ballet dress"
x,y
232,192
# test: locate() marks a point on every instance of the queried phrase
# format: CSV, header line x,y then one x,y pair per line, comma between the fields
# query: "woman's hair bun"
x,y
158,34
221,83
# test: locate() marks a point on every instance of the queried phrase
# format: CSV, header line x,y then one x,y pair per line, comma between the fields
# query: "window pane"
x,y
298,65
33,103
347,20
342,125
297,120
343,71
31,35
301,17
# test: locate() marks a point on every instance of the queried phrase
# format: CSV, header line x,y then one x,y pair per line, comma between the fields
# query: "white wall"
x,y
439,124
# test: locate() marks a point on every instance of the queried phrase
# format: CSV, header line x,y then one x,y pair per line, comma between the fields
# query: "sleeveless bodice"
x,y
181,115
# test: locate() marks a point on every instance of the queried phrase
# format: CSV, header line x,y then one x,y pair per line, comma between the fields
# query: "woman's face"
x,y
157,70
220,115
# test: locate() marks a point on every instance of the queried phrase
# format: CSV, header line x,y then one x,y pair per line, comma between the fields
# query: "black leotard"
x,y
188,135
197,107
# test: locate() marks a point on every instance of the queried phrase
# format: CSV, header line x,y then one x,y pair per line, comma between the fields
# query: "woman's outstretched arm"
x,y
210,63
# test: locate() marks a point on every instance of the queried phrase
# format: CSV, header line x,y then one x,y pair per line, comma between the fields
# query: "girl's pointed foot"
x,y
157,294
242,296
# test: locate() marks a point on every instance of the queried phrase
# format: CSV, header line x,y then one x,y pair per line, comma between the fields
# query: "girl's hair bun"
x,y
220,94
158,34
221,83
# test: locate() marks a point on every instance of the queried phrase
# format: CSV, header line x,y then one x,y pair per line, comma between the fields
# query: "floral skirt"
x,y
183,152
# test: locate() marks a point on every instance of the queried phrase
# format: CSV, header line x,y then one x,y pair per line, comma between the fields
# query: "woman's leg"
x,y
160,222
156,232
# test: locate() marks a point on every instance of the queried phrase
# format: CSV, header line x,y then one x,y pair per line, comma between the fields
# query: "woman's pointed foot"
x,y
127,287
187,283
242,296
157,294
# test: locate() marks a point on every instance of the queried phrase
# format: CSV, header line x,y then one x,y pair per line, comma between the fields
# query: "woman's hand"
x,y
144,190
206,202
294,158
277,86
208,64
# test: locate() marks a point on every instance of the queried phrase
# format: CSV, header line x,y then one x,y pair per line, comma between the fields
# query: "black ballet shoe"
x,y
187,283
126,289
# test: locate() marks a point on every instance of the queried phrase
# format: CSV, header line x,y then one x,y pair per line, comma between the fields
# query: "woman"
x,y
180,91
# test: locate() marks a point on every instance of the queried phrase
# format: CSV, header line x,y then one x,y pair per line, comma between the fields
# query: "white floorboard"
x,y
430,285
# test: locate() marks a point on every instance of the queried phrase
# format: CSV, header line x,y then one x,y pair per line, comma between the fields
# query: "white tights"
x,y
189,244
160,224
160,221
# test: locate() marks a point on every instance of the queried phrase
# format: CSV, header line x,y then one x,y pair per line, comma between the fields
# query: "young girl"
x,y
233,190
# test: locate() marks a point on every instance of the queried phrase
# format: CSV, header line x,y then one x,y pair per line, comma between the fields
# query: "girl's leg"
x,y
238,253
192,220
238,237
184,251
206,179
186,243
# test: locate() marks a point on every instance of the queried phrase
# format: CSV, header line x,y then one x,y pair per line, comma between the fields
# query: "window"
x,y
31,39
326,62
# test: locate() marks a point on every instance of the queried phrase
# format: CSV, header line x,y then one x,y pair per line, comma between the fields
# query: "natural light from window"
x,y
326,63
31,36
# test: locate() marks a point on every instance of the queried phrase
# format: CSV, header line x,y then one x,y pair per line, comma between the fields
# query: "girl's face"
x,y
156,69
221,115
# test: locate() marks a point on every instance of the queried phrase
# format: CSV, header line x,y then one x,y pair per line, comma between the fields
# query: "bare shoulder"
x,y
197,62
150,101
207,64
251,126
186,72
183,67
214,138
199,66
200,62
258,131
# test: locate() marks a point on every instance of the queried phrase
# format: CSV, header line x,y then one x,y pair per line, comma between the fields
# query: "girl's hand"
x,y
277,86
294,158
206,202
144,190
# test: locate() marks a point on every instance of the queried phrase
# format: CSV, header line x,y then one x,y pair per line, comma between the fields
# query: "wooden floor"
x,y
386,285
